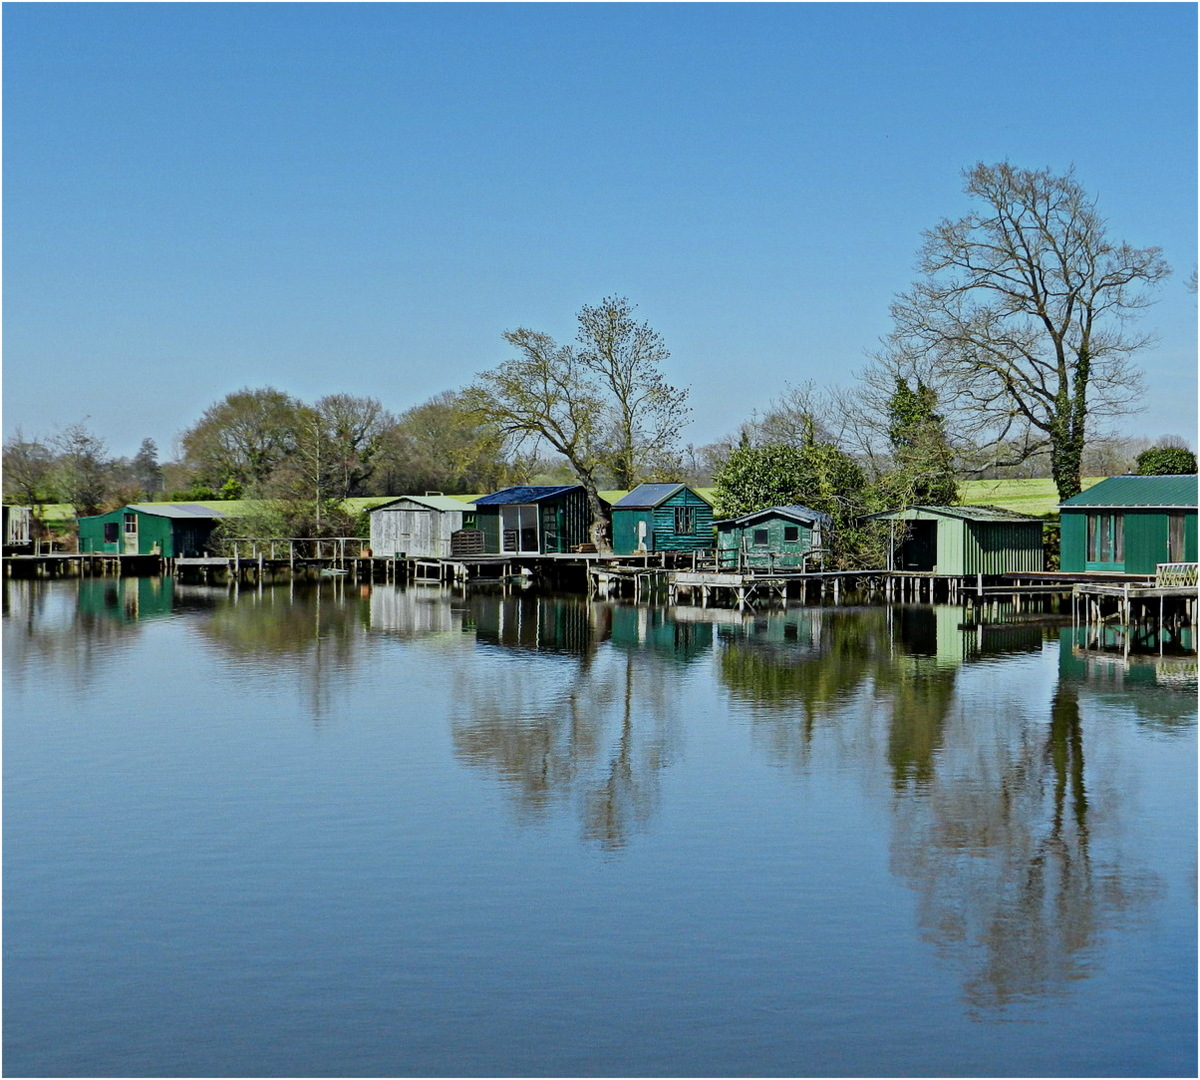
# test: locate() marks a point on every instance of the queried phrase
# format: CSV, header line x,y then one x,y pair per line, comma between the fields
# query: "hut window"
x,y
761,537
110,532
1175,536
1106,538
131,523
791,534
685,520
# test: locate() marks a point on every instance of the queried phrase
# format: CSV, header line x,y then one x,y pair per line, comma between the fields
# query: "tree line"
x,y
1012,353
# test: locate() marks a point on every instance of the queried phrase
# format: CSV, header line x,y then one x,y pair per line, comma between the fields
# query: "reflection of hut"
x,y
959,540
779,538
1130,524
167,529
418,526
534,520
661,517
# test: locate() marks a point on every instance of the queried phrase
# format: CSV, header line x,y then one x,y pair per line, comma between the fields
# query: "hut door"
x,y
920,550
129,545
519,528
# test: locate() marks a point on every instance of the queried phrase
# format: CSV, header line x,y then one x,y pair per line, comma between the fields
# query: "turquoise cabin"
x,y
167,529
661,517
778,538
534,520
1130,524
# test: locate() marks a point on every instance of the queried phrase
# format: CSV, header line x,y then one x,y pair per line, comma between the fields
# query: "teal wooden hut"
x,y
778,538
534,520
1130,524
167,529
960,541
661,517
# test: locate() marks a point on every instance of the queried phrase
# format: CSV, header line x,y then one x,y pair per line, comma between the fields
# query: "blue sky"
x,y
360,198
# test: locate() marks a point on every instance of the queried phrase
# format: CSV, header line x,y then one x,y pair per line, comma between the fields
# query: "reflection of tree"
x,y
312,631
74,625
920,694
563,723
998,844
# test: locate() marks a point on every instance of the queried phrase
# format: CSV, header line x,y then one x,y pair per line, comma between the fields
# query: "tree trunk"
x,y
600,523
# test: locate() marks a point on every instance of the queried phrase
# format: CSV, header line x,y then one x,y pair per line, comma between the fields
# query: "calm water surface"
x,y
377,832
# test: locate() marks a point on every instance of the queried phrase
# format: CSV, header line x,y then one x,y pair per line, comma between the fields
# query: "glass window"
x,y
110,532
1175,536
791,534
761,537
685,520
131,523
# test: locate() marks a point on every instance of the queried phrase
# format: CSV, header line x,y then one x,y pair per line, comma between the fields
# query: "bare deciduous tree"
x,y
1021,316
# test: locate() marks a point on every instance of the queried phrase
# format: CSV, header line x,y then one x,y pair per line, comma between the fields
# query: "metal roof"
x,y
181,511
431,502
1140,491
795,513
524,494
962,513
647,496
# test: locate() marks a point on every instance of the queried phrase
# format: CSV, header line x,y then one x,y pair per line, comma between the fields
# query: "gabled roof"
x,y
180,511
801,514
961,513
430,502
647,496
1147,492
524,494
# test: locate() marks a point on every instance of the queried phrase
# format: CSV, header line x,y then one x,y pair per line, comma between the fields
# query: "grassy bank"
x,y
1024,496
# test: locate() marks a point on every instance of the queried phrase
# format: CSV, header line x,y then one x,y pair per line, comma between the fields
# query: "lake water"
x,y
354,831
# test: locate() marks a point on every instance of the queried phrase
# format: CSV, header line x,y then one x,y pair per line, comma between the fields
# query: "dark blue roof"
x,y
524,495
647,496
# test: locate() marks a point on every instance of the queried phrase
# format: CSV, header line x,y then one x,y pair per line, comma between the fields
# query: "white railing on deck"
x,y
1171,574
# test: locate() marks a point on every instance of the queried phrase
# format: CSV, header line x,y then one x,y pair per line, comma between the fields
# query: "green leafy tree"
x,y
1166,461
28,471
83,473
1021,317
440,445
242,439
922,461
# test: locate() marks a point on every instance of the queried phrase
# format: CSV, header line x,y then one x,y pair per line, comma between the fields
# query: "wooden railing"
x,y
334,548
1173,574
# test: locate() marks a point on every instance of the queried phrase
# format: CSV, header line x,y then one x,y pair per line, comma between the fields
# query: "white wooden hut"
x,y
417,526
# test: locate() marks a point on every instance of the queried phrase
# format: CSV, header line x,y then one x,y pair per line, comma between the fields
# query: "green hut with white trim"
x,y
1130,524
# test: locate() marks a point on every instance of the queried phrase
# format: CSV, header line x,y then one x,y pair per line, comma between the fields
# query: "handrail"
x,y
1167,575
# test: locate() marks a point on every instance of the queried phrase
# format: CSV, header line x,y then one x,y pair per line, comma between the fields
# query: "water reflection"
x,y
973,739
564,723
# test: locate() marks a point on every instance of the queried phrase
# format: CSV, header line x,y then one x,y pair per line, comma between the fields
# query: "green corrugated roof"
x,y
1146,491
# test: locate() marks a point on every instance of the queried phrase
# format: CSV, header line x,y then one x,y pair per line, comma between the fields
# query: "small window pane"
x,y
791,534
761,538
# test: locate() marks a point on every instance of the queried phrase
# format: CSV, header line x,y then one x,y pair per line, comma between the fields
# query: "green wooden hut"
x,y
534,520
957,541
1130,524
778,538
661,517
167,529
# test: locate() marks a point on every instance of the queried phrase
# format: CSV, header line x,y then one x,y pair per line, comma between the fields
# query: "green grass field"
x,y
1037,497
